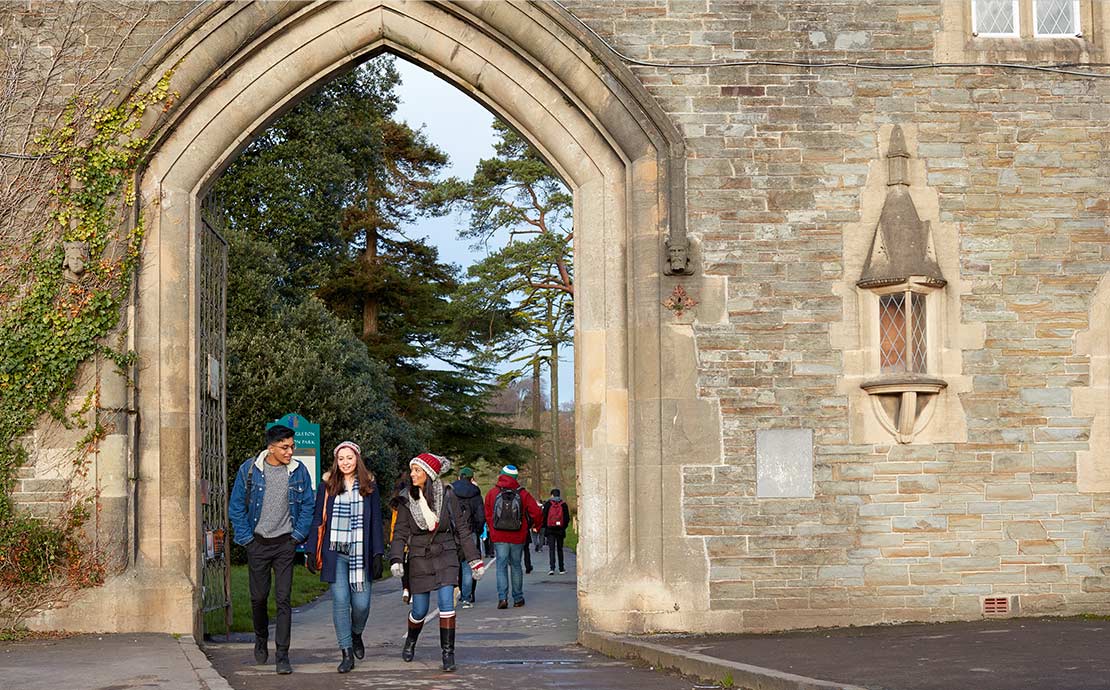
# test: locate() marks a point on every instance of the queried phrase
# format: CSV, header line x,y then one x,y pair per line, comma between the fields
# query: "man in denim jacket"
x,y
269,524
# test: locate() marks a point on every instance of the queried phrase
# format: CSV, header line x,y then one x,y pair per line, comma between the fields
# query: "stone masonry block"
x,y
919,524
1025,529
1009,492
1096,584
1045,573
918,485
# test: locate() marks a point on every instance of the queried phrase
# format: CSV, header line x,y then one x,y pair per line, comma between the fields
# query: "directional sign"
x,y
306,436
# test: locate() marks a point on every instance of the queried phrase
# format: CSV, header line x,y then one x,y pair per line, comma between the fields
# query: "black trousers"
x,y
528,551
264,555
555,543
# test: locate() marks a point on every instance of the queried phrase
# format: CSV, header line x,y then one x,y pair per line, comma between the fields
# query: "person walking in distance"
x,y
270,510
470,499
345,546
507,503
432,528
556,520
527,551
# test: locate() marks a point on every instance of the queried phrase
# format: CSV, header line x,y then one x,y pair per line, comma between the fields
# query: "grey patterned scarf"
x,y
434,497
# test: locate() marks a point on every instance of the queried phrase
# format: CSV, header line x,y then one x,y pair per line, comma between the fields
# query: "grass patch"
x,y
306,587
571,540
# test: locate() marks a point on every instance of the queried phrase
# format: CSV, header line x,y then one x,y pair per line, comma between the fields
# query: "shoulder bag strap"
x,y
320,531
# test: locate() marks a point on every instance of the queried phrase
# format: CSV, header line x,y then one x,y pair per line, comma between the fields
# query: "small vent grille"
x,y
996,606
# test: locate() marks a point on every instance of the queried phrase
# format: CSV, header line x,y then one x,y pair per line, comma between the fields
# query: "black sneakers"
x,y
260,653
283,668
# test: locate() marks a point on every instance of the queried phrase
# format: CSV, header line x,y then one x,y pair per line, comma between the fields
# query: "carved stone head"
x,y
76,258
678,258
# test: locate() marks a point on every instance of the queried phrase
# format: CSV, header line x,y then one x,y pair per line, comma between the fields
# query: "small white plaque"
x,y
784,463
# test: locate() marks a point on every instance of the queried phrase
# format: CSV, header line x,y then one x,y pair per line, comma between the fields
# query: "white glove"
x,y
397,569
477,568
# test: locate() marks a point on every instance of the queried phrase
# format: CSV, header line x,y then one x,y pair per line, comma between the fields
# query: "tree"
x,y
531,278
327,189
295,356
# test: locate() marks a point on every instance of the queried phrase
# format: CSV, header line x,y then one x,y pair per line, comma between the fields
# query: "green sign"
x,y
306,436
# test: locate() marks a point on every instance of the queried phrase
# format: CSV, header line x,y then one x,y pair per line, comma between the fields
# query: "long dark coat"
x,y
372,542
433,556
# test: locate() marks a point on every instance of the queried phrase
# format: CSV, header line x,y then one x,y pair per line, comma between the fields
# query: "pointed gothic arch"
x,y
239,66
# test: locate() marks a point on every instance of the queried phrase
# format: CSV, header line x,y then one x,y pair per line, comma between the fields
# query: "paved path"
x,y
1009,654
529,648
107,662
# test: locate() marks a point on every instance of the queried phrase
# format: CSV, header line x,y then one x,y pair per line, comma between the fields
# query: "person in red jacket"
x,y
507,505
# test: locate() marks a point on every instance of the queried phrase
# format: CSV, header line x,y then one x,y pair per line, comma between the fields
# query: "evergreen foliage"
x,y
523,290
316,206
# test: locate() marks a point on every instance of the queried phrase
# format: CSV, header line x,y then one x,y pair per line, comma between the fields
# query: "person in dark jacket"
x,y
431,527
346,547
470,499
270,510
556,520
508,529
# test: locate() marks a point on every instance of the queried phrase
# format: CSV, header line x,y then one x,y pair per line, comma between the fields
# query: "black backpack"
x,y
508,510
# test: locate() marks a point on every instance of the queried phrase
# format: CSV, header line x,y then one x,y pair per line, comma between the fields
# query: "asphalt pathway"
x,y
1007,654
528,648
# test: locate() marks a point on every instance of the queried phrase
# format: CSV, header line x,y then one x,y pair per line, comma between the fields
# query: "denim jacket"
x,y
244,516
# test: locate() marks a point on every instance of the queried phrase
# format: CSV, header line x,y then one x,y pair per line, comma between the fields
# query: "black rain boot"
x,y
348,661
447,642
409,650
357,646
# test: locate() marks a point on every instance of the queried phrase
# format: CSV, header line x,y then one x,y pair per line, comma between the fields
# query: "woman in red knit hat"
x,y
431,526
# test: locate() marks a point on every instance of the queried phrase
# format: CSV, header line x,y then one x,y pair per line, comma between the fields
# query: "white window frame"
x,y
1078,30
975,22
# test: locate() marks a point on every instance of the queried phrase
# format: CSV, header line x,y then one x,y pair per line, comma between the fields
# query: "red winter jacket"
x,y
531,509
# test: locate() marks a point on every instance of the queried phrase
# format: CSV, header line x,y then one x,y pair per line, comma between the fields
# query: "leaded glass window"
x,y
994,17
1056,17
903,347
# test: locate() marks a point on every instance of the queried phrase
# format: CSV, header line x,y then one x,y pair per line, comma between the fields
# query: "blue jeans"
x,y
445,597
509,556
467,585
349,610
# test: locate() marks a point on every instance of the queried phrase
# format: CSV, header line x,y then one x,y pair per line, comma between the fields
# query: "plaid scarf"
x,y
346,528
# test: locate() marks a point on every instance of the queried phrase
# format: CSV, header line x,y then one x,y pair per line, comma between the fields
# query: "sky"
x,y
459,125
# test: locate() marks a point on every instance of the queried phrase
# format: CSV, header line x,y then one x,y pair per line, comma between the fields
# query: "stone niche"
x,y
901,335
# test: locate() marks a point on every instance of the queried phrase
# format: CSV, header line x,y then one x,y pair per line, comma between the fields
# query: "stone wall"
x,y
778,160
1010,166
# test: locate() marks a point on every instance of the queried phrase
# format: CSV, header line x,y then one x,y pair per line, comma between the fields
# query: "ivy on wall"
x,y
59,324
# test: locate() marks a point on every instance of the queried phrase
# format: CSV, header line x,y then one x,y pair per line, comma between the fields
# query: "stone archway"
x,y
238,66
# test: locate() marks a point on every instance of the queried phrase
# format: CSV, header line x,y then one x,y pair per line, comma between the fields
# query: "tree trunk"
x,y
554,369
370,306
537,442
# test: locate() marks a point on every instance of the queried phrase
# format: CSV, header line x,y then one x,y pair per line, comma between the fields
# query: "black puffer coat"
x,y
433,556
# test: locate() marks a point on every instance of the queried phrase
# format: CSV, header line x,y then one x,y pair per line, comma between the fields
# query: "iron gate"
x,y
212,427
